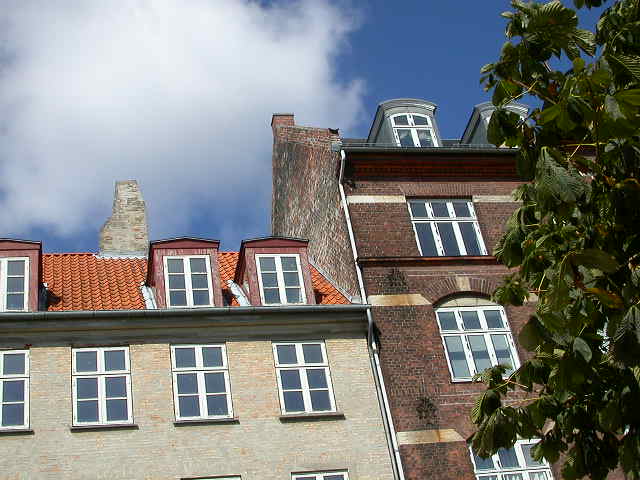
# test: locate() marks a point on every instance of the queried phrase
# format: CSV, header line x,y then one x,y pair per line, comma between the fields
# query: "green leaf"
x,y
610,299
582,347
531,335
594,258
629,97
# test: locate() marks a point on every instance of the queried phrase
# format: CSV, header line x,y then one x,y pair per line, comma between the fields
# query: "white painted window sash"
x,y
186,267
13,377
413,128
523,469
282,292
4,280
319,475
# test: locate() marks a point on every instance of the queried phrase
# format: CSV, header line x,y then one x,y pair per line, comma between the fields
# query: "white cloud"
x,y
177,94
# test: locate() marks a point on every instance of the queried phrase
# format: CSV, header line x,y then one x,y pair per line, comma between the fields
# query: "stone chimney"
x,y
125,232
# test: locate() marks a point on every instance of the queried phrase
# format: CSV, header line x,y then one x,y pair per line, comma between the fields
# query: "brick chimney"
x,y
125,232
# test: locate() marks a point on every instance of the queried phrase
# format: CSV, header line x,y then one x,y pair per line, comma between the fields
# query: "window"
x,y
476,338
280,279
446,228
14,389
200,382
303,375
188,281
101,386
14,284
320,476
512,464
413,130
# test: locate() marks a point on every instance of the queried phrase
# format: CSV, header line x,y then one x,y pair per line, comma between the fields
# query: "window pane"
x,y
15,284
117,410
470,238
212,356
185,357
214,383
269,280
115,387
312,353
316,378
176,282
528,458
320,400
293,295
217,405
201,297
86,361
198,265
13,414
425,138
339,476
418,209
427,242
447,321
503,353
114,360
291,279
88,411
199,281
267,264
440,209
508,458
512,476
87,388
488,477
289,264
461,209
406,140
178,298
13,364
479,352
483,463
189,406
401,120
293,402
418,120
13,391
470,320
15,267
493,318
175,265
538,476
15,301
290,379
457,357
448,239
187,383
286,354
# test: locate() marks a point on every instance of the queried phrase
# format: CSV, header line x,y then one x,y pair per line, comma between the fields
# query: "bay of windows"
x,y
446,228
320,476
512,464
280,279
413,130
188,281
14,284
14,389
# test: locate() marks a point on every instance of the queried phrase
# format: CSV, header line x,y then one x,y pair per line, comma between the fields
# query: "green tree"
x,y
574,241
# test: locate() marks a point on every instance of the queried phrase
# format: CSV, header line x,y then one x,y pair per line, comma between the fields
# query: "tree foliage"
x,y
574,241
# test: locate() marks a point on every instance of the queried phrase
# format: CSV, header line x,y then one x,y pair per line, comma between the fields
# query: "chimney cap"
x,y
278,119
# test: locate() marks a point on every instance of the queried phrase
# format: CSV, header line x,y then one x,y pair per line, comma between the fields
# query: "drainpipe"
x,y
371,342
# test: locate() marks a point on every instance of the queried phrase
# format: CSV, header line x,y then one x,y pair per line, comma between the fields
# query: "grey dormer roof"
x,y
380,129
475,132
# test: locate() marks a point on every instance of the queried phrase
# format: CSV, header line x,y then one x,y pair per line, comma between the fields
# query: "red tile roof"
x,y
83,281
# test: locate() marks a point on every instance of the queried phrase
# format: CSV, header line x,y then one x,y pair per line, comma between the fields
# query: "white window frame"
x,y
432,220
502,473
319,475
300,366
101,374
12,377
413,128
4,280
200,371
280,276
187,280
485,331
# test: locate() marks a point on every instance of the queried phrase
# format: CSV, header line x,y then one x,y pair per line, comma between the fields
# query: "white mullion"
x,y
202,394
476,228
332,400
3,289
227,386
490,348
469,354
186,266
306,394
280,276
436,238
458,234
102,400
414,136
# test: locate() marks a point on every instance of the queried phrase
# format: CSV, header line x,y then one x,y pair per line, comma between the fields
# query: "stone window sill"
x,y
206,421
113,426
16,431
302,417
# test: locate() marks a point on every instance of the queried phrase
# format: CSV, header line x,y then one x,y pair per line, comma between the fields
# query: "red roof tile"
x,y
83,281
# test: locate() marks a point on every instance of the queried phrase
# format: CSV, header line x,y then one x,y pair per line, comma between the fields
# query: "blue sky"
x,y
180,98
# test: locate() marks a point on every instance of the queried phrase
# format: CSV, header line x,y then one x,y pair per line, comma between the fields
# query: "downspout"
x,y
390,430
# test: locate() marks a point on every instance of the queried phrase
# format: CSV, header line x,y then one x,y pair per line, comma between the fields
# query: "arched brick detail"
x,y
484,285
445,287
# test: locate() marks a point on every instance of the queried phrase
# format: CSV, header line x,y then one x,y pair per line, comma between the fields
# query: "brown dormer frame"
x,y
13,248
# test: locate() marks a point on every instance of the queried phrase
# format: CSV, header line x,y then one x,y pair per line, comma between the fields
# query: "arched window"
x,y
413,130
476,335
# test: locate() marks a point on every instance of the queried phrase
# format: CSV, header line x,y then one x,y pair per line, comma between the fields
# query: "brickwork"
x,y
306,201
125,232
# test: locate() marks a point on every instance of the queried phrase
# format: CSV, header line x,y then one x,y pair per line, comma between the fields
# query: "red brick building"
x,y
420,215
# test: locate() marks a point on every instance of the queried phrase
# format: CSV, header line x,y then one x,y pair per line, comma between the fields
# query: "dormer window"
x,y
413,130
188,281
14,284
280,279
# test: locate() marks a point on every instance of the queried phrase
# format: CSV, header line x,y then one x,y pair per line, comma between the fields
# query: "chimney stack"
x,y
125,232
